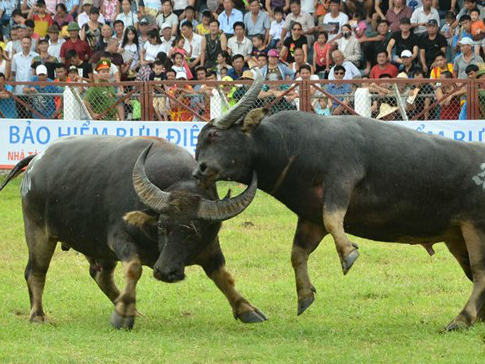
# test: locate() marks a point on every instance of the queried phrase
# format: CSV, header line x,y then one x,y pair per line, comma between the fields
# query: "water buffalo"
x,y
356,175
94,195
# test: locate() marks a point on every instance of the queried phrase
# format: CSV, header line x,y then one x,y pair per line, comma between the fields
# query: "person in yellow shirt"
x,y
42,20
203,28
440,66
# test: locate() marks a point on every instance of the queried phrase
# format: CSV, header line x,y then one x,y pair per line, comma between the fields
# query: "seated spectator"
x,y
449,99
467,57
159,101
239,43
180,64
257,21
55,43
238,67
60,73
8,109
181,93
62,17
45,58
421,99
91,31
469,5
403,40
406,65
41,19
168,17
150,50
43,104
383,66
440,66
84,67
294,41
193,44
430,44
381,8
320,51
84,17
223,61
127,16
119,30
335,19
348,44
130,51
372,42
229,17
276,70
167,38
110,9
190,17
422,16
276,29
262,60
101,98
305,19
350,70
299,61
203,28
396,13
323,106
81,47
258,48
340,91
112,49
213,44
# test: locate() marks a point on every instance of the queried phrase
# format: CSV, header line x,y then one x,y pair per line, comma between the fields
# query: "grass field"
x,y
389,309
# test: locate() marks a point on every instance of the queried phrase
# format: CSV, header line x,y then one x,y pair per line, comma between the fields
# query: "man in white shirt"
x,y
22,64
335,19
55,43
192,41
350,70
422,15
239,43
83,18
229,17
167,38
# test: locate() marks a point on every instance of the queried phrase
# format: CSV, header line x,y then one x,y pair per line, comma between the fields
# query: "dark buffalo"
x,y
89,194
356,175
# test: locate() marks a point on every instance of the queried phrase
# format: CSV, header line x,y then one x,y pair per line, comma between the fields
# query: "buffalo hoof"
x,y
37,319
304,303
456,325
349,261
119,322
252,317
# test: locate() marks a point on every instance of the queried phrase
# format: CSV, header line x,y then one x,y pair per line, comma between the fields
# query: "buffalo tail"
x,y
18,169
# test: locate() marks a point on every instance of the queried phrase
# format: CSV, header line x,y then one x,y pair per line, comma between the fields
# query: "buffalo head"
x,y
226,145
187,219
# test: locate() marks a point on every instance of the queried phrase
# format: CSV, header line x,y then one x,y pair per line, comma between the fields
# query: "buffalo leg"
x,y
475,243
460,252
306,240
335,203
213,263
41,248
102,273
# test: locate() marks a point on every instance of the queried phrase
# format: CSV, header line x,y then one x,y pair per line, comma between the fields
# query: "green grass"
x,y
388,309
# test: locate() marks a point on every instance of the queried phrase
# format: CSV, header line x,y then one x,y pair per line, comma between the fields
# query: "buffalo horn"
x,y
152,196
233,114
228,208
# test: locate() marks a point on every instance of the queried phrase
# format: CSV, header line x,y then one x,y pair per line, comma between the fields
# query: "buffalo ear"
x,y
253,119
139,219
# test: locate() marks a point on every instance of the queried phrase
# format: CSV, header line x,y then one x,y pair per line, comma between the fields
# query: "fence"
x,y
385,99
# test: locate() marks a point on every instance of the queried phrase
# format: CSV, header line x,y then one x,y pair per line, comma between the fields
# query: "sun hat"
x,y
73,26
385,110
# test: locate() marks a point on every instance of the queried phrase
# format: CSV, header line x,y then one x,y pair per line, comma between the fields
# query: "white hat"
x,y
166,25
406,53
467,41
181,75
41,70
402,75
385,110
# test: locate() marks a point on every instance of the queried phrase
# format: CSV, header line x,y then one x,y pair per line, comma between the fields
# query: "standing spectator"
x,y
383,66
340,91
42,20
276,29
119,30
430,45
127,16
7,8
159,101
440,66
239,43
85,16
422,15
296,40
62,17
477,28
256,21
42,103
212,45
238,67
45,58
106,35
91,31
396,13
179,57
84,68
81,47
401,41
168,17
8,109
306,21
464,31
275,70
110,9
466,58
372,42
55,43
229,17
348,45
350,70
193,44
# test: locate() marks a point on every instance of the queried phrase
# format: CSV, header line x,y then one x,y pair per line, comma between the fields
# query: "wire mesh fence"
x,y
383,99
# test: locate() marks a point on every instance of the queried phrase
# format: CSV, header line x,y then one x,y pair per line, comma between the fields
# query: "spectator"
x,y
193,44
229,17
296,40
127,16
106,35
239,43
406,65
297,15
340,91
130,51
100,99
200,103
276,29
7,7
467,57
110,9
168,17
91,31
60,73
181,93
179,56
238,67
401,41
381,8
383,66
351,71
85,16
45,58
167,38
335,18
159,101
348,45
62,17
299,60
447,94
372,42
72,7
150,50
179,7
81,47
320,51
5,64
143,32
190,16
8,109
275,70
41,103
421,101
257,21
396,13
440,66
272,5
258,48
85,70
42,20
447,28
477,28
422,16
469,5
13,38
223,61
119,30
262,60
204,27
150,10
55,43
323,106
430,45
17,45
21,66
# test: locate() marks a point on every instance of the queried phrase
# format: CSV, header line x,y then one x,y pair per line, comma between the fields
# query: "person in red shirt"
x,y
383,66
82,48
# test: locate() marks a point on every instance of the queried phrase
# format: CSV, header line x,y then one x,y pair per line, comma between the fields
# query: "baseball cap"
x,y
165,25
41,70
87,2
181,75
406,53
432,23
72,68
273,53
466,41
144,21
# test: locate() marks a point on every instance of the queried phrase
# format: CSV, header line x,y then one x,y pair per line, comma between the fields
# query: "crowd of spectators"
x,y
157,40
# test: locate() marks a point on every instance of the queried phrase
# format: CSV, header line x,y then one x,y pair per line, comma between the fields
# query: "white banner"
x,y
20,138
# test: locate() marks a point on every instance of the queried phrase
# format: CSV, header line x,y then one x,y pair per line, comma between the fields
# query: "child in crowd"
x,y
478,29
42,20
258,48
203,28
320,50
178,64
178,47
159,101
323,107
189,16
276,29
358,24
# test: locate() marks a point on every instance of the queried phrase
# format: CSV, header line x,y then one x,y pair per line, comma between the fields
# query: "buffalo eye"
x,y
213,134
